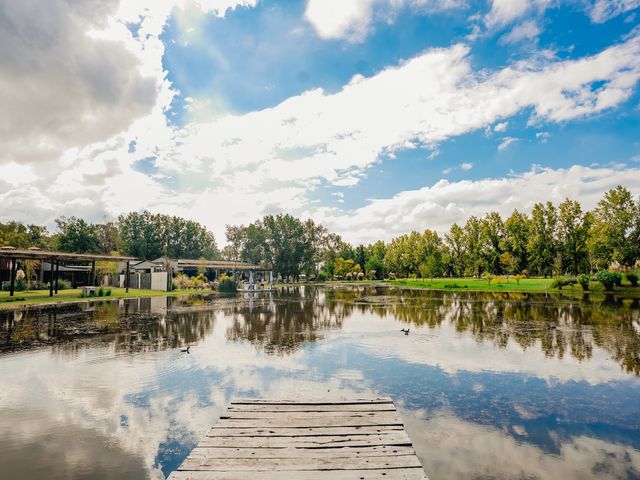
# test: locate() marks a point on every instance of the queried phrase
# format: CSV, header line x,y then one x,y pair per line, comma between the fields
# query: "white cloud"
x,y
543,137
270,160
506,142
524,31
352,20
465,166
504,12
444,203
501,127
603,10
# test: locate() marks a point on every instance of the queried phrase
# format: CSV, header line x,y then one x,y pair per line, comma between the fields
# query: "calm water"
x,y
487,386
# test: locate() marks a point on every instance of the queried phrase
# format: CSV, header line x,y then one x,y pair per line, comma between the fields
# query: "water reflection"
x,y
491,386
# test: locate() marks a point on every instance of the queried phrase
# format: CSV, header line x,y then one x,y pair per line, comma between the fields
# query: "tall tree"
x,y
573,232
542,238
76,235
454,241
516,236
611,231
473,246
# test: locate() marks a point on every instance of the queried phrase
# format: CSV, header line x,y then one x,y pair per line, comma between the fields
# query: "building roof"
x,y
212,264
37,254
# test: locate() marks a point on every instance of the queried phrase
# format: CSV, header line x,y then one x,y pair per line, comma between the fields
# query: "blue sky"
x,y
374,117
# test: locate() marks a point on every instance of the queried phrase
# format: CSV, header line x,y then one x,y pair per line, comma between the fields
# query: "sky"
x,y
372,117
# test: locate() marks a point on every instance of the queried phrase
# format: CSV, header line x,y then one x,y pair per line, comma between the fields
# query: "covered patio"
x,y
54,259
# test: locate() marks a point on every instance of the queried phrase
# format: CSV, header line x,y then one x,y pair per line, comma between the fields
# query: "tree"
x,y
542,238
473,246
107,237
76,235
509,263
610,236
431,267
516,236
375,254
455,243
573,232
492,238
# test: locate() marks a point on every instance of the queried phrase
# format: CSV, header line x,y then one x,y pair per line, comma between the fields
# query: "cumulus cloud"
x,y
524,31
506,142
337,19
270,161
603,10
59,87
444,203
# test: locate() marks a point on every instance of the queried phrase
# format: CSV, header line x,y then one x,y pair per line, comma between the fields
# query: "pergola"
x,y
54,258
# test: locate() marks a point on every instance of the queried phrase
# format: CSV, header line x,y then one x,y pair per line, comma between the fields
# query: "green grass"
x,y
73,295
505,285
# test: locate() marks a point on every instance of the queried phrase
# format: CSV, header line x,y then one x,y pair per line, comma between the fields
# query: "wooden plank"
x,y
398,438
252,407
377,474
259,401
314,415
298,432
331,421
296,452
355,439
295,464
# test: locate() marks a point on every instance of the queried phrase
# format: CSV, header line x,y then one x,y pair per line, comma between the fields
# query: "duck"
x,y
405,330
551,327
186,350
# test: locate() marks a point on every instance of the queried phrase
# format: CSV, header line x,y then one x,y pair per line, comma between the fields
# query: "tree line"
x,y
142,235
551,240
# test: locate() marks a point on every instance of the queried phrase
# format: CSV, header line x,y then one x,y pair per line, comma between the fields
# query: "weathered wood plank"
x,y
293,464
382,418
296,452
345,407
297,432
399,438
260,401
230,414
378,474
355,439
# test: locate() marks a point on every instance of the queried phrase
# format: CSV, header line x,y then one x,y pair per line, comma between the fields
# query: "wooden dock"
x,y
358,439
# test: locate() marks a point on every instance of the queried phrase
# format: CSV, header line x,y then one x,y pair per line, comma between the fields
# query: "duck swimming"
x,y
186,350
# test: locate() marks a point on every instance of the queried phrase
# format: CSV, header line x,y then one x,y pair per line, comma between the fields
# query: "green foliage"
x,y
76,235
149,236
227,284
101,292
608,279
559,282
633,279
107,292
322,276
584,281
63,284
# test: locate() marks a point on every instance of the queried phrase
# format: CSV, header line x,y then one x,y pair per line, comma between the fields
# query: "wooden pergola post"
x,y
92,281
57,275
51,277
126,278
12,280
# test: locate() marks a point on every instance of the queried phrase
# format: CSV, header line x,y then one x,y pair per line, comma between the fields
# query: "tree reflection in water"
x,y
279,323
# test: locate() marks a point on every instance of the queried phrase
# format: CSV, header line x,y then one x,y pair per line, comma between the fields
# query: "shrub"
x,y
584,280
608,279
348,276
322,276
392,276
360,276
82,295
618,280
101,292
633,279
63,284
227,284
560,282
108,292
412,276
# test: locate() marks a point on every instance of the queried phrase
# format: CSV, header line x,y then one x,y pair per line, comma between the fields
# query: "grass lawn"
x,y
73,295
507,285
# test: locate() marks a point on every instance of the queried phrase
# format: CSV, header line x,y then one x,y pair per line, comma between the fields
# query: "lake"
x,y
507,386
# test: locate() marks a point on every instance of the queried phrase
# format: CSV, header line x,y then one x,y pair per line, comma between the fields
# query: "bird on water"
x,y
405,330
186,350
